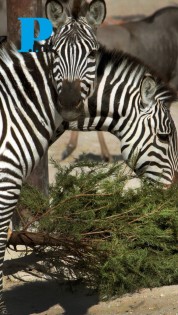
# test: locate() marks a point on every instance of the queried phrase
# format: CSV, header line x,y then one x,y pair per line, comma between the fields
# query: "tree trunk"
x,y
16,9
33,239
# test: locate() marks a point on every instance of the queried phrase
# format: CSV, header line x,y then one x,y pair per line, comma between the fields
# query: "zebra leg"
x,y
3,241
10,187
3,310
104,149
71,146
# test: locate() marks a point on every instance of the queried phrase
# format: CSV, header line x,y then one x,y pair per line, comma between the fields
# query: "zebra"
x,y
32,87
134,105
138,38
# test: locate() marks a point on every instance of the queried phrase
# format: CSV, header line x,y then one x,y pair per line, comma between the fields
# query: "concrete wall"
x,y
129,7
114,7
3,20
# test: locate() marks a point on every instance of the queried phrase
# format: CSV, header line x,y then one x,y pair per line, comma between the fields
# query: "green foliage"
x,y
31,206
121,240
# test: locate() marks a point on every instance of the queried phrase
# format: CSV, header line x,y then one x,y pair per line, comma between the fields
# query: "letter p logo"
x,y
28,32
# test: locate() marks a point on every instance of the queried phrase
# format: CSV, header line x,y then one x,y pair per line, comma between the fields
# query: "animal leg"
x,y
71,146
9,192
104,149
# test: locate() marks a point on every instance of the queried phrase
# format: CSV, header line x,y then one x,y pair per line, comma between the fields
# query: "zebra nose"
x,y
70,96
175,179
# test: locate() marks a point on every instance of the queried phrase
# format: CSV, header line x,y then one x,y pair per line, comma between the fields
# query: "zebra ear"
x,y
96,12
148,89
55,12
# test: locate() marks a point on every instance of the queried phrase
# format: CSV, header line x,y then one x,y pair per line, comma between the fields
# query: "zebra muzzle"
x,y
70,116
175,179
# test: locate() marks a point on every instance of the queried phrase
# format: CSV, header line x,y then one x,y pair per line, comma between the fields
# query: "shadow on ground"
x,y
97,158
38,297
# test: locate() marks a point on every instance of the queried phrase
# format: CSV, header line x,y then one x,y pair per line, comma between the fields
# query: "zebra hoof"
x,y
69,149
64,155
108,159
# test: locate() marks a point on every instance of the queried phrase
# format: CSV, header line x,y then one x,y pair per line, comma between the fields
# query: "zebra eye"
x,y
92,54
142,105
164,137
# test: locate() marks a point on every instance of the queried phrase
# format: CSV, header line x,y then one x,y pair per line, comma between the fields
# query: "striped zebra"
x,y
32,90
134,105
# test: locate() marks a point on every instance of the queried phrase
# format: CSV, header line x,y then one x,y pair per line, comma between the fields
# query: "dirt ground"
x,y
32,296
49,298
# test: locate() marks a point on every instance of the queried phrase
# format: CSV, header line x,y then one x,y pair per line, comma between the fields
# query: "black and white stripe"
x,y
28,117
30,113
133,104
76,56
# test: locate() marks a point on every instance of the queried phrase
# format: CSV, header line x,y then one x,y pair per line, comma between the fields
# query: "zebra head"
x,y
74,47
150,144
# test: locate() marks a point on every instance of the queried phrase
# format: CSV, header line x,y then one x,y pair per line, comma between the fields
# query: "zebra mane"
x,y
9,55
5,53
76,8
116,57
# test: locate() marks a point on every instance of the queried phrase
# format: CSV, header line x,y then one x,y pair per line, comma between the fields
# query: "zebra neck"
x,y
116,100
117,75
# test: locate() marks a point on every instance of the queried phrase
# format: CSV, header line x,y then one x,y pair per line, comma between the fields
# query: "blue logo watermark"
x,y
28,39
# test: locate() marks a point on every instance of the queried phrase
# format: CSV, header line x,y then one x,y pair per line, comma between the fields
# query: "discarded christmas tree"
x,y
92,229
